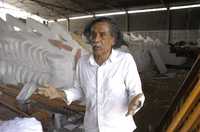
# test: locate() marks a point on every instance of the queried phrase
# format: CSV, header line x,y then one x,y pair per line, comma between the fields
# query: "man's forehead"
x,y
101,27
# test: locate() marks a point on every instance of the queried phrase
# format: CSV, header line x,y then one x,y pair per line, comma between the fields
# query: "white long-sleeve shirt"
x,y
107,90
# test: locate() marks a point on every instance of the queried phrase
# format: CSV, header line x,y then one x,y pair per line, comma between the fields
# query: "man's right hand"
x,y
50,92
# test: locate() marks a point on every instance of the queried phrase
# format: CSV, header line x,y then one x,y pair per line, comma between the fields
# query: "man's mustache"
x,y
96,45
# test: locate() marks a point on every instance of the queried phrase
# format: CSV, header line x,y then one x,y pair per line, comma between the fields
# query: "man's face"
x,y
102,40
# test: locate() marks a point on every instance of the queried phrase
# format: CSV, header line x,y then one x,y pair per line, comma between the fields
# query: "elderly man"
x,y
107,80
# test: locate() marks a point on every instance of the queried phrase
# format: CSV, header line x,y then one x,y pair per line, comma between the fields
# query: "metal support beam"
x,y
128,21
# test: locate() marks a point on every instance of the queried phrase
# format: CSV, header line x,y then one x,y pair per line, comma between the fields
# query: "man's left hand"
x,y
134,104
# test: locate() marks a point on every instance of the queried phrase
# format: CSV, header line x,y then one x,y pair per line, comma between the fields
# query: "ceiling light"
x,y
146,10
110,14
50,21
80,17
61,19
38,18
184,7
16,28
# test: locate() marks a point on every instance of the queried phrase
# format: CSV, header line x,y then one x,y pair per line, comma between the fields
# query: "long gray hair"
x,y
114,30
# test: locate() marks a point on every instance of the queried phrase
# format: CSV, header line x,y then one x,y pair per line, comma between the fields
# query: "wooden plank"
x,y
195,115
196,126
186,87
55,104
16,110
10,103
187,107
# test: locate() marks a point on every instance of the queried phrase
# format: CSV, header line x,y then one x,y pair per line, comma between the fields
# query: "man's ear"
x,y
114,41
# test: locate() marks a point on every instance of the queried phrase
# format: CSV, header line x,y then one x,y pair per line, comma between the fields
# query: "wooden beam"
x,y
56,104
186,87
186,108
11,104
196,125
195,115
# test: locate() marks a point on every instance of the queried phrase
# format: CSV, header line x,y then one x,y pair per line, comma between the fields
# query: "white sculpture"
x,y
37,56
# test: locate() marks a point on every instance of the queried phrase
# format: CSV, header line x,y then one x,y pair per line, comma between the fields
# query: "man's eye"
x,y
102,34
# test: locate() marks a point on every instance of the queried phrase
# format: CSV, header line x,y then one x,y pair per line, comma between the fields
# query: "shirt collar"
x,y
111,58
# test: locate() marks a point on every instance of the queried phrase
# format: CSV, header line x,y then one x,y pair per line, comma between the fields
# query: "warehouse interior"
x,y
163,36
